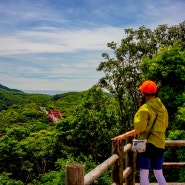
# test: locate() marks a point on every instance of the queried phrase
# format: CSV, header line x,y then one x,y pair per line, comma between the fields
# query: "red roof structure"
x,y
54,115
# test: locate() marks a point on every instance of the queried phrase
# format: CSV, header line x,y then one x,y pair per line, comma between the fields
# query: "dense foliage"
x,y
34,151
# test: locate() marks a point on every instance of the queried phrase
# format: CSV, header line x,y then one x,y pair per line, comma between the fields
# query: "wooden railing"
x,y
174,143
122,162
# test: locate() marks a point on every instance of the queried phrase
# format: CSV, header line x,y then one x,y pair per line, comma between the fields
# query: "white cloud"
x,y
58,40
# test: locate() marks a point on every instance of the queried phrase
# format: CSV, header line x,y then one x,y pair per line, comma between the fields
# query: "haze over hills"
x,y
48,92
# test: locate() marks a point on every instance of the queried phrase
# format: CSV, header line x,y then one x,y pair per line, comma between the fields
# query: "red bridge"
x,y
54,115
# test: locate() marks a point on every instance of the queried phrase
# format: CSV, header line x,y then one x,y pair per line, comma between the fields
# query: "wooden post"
x,y
74,174
130,161
134,154
117,168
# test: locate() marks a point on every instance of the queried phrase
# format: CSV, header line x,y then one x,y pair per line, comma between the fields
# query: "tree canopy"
x,y
125,72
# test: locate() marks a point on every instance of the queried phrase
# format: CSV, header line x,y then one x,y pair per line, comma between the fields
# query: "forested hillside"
x,y
16,106
32,145
35,151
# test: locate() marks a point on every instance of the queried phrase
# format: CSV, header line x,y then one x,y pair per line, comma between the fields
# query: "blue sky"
x,y
57,44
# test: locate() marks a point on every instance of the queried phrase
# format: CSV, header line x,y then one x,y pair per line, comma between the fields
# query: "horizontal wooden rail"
x,y
177,143
100,169
174,165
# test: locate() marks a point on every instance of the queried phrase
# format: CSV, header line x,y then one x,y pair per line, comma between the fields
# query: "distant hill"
x,y
8,89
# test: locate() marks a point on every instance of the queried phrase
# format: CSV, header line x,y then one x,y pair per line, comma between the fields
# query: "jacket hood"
x,y
156,105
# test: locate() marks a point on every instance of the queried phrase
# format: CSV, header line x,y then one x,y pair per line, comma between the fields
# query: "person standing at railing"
x,y
144,118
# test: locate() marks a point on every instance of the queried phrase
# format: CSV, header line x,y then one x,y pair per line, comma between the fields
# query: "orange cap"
x,y
148,87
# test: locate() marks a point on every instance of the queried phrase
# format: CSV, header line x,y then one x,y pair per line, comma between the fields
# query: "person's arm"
x,y
119,139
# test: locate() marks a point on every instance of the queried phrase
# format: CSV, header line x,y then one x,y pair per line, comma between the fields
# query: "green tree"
x,y
167,68
26,156
6,180
179,121
91,126
10,158
123,73
121,77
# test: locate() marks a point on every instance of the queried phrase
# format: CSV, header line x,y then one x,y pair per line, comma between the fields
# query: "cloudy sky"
x,y
57,44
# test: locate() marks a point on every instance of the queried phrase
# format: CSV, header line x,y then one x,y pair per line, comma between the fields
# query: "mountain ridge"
x,y
9,89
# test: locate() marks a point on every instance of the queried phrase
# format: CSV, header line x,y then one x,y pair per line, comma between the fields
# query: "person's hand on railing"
x,y
119,139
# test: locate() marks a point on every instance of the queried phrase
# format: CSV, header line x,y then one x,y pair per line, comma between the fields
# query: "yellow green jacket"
x,y
145,117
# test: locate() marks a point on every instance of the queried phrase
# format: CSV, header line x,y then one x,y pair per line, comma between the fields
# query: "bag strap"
x,y
152,126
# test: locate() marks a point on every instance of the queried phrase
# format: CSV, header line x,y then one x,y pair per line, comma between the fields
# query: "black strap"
x,y
152,126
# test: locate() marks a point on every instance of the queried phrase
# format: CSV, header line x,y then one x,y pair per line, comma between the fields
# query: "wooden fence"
x,y
122,162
